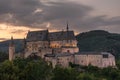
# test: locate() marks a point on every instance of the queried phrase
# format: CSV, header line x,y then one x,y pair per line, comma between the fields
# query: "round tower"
x,y
67,30
24,48
11,49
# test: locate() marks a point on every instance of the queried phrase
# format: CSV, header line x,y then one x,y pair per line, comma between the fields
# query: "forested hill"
x,y
99,40
5,44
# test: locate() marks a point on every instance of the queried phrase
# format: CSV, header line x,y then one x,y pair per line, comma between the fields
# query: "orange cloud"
x,y
18,32
6,31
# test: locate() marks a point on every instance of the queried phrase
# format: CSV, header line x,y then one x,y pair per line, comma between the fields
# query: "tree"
x,y
36,70
25,69
64,74
3,56
8,71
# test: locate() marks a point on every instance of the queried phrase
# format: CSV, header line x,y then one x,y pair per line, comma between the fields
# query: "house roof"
x,y
88,53
49,55
58,55
37,35
62,35
91,53
44,35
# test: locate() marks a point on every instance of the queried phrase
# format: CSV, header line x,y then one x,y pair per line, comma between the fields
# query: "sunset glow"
x,y
18,32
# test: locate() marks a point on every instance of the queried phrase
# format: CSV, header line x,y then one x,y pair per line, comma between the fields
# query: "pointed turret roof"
x,y
11,42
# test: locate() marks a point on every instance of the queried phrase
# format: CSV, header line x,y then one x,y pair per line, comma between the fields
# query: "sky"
x,y
17,17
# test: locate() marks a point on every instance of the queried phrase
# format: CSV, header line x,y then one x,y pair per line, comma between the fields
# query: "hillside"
x,y
5,44
99,40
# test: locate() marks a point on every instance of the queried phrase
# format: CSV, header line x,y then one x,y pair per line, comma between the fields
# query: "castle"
x,y
60,48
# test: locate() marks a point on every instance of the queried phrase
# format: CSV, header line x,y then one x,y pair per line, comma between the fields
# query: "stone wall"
x,y
110,61
63,43
40,47
64,61
70,50
95,60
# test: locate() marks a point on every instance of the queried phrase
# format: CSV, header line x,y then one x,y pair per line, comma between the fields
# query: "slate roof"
x,y
49,55
62,35
37,35
88,53
91,53
58,55
63,54
44,35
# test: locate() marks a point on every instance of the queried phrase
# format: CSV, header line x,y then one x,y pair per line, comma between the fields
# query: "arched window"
x,y
68,51
40,50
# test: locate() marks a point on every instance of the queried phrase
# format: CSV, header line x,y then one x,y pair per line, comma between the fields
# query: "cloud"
x,y
2,39
38,13
18,31
99,21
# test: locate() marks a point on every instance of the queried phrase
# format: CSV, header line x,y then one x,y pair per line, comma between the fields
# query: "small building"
x,y
99,59
61,59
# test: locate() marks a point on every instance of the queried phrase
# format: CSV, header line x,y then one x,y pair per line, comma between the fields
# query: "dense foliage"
x,y
3,56
25,69
29,69
99,40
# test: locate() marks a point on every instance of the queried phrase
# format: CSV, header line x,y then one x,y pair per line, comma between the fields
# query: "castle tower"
x,y
67,29
24,47
24,44
11,49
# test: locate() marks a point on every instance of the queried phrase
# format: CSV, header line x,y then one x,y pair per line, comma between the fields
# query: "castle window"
x,y
82,61
105,55
97,60
68,51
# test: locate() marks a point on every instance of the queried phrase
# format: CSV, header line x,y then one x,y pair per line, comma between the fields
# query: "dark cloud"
x,y
98,21
18,12
35,13
21,12
66,10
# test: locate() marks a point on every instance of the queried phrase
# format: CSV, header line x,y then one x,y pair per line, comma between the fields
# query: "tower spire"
x,y
67,26
11,42
67,31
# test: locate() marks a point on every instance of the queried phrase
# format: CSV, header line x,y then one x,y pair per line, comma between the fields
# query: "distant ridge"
x,y
5,44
